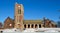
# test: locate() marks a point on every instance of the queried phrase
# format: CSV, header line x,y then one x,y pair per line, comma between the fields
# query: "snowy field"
x,y
31,30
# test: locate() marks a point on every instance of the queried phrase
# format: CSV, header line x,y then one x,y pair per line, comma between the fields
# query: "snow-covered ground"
x,y
31,30
48,29
11,30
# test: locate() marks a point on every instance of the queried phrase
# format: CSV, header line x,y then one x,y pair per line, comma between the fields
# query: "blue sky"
x,y
33,9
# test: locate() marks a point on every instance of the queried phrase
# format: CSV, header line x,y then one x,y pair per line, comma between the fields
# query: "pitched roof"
x,y
32,21
8,18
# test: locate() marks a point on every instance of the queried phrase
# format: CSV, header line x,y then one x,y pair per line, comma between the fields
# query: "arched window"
x,y
19,11
25,26
32,26
28,25
39,25
35,25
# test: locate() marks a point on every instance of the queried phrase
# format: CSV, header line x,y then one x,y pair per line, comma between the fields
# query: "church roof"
x,y
8,18
32,21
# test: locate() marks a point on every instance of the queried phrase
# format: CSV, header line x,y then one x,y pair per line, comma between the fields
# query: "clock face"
x,y
18,6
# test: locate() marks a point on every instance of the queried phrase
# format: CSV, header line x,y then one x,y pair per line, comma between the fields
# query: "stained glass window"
x,y
19,11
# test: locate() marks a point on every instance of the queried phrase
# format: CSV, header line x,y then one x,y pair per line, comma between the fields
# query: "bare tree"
x,y
0,25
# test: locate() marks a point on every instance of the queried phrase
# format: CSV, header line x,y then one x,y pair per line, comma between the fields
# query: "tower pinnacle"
x,y
16,2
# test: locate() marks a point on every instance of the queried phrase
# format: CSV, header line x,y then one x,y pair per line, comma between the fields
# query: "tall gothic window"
x,y
28,25
25,26
32,25
35,25
19,11
39,26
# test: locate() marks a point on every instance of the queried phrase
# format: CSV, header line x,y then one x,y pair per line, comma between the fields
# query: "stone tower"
x,y
19,13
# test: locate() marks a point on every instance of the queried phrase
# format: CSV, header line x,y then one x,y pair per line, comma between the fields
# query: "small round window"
x,y
10,24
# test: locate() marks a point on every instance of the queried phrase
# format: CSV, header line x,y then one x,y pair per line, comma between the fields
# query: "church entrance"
x,y
19,26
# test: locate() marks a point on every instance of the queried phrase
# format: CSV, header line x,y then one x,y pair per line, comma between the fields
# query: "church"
x,y
19,22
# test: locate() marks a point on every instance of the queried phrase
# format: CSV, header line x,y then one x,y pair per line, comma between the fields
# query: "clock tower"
x,y
19,13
